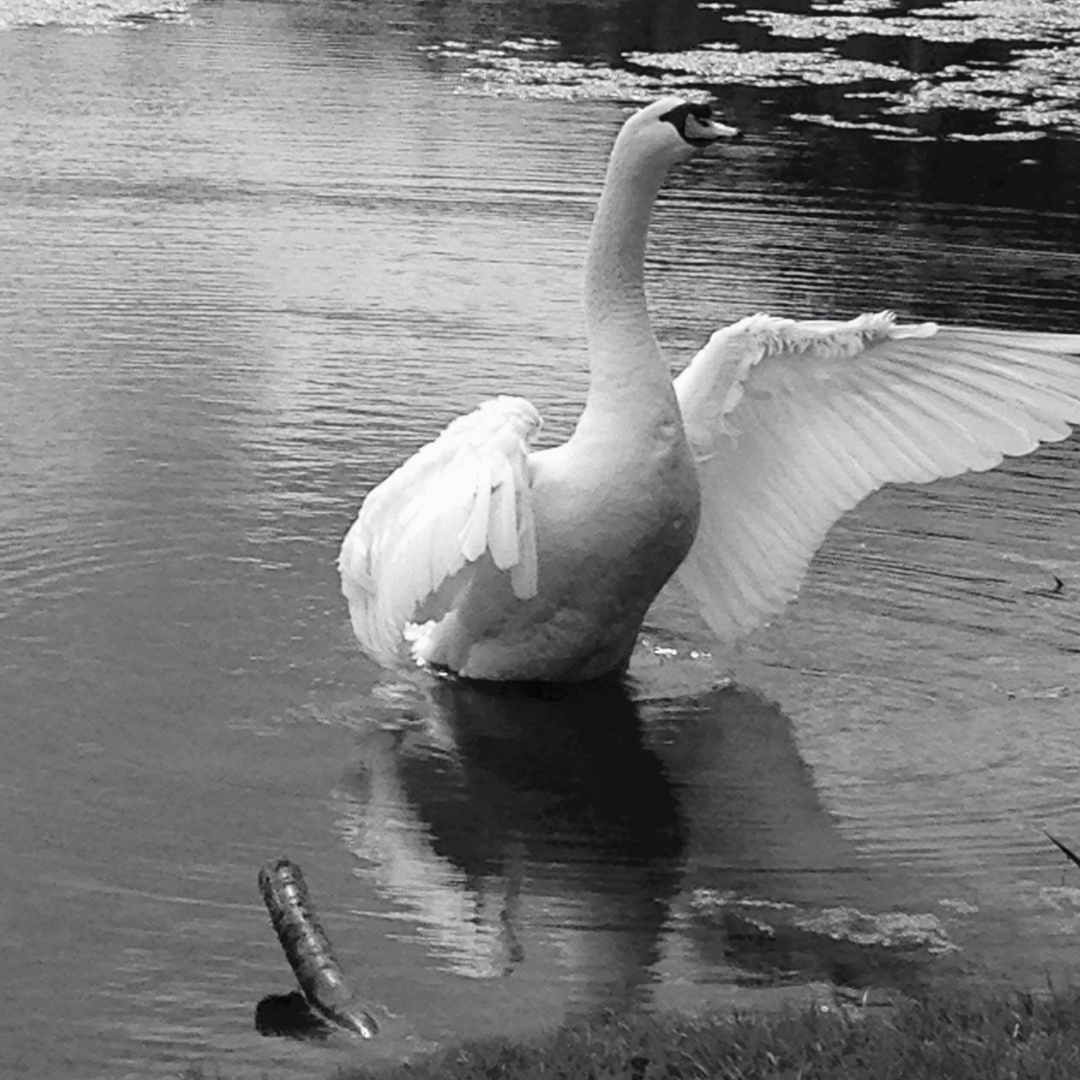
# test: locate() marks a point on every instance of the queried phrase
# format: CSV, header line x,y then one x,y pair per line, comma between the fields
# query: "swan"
x,y
492,561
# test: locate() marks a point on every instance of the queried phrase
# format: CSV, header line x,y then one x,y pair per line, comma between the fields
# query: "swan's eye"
x,y
698,129
694,122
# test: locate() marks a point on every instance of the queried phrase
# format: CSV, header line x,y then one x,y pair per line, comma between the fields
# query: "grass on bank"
x,y
957,1035
963,1037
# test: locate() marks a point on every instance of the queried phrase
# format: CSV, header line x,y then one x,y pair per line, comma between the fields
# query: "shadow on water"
x,y
771,890
612,845
757,821
507,819
566,767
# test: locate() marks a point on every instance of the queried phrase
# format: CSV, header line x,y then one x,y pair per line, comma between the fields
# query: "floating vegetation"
x,y
857,7
881,131
964,22
1038,90
723,65
522,78
1016,20
1034,85
840,944
526,69
969,69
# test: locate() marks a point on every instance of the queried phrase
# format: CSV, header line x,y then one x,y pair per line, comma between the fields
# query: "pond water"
x,y
253,254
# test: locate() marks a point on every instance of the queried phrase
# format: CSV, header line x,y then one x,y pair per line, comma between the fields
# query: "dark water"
x,y
253,254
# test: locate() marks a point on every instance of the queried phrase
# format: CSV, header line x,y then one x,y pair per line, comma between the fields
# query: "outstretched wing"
x,y
793,423
460,496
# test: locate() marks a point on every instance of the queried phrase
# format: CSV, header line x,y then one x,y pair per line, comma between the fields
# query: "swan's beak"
x,y
701,132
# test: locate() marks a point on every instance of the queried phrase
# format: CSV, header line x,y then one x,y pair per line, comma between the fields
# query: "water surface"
x,y
253,254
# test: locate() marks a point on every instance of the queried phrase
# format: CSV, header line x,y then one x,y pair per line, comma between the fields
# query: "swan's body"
x,y
498,563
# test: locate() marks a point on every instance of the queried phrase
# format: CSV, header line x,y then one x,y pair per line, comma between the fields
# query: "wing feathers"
x,y
474,532
994,423
464,494
793,424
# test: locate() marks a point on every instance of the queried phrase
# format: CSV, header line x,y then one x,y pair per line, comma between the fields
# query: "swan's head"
x,y
670,130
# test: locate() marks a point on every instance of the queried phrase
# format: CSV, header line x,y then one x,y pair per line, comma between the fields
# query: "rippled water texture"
x,y
251,256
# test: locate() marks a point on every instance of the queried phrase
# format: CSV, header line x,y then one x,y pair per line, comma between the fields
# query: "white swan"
x,y
499,563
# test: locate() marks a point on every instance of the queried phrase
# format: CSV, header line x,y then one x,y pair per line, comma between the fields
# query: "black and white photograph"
x,y
539,538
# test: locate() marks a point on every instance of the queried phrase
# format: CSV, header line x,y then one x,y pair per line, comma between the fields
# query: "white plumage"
x,y
794,423
459,497
500,563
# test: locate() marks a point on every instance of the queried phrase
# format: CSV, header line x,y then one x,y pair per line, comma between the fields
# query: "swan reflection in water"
x,y
572,831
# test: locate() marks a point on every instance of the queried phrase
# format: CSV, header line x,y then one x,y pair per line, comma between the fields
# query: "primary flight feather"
x,y
494,561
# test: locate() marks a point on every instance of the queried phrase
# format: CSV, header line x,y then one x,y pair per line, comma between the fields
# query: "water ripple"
x,y
90,14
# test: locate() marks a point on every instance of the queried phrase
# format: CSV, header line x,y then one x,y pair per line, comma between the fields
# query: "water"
x,y
253,254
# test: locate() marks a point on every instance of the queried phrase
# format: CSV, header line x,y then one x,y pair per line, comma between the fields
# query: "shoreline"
x,y
960,1029
962,1032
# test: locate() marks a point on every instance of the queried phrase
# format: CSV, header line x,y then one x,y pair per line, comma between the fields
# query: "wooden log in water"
x,y
307,949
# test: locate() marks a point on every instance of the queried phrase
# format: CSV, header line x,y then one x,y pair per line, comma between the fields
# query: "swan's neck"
x,y
628,376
